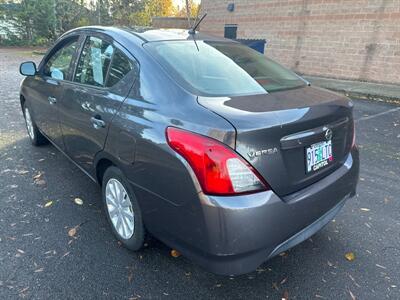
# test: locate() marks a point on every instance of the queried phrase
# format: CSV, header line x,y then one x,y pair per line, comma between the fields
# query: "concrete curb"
x,y
375,91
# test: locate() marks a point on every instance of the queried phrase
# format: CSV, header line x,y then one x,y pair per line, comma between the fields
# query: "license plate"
x,y
318,156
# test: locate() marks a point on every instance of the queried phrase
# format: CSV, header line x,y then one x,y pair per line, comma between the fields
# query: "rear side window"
x,y
221,68
120,66
94,62
58,65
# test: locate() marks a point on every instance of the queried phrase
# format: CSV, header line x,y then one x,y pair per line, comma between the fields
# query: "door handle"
x,y
97,122
52,100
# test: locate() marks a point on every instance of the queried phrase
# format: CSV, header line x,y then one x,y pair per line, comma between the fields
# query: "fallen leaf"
x,y
350,256
22,172
38,270
40,182
48,204
78,201
352,295
275,286
175,253
379,266
352,278
285,295
38,176
65,254
23,290
72,231
364,209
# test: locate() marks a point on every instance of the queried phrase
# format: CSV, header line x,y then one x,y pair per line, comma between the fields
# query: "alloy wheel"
x,y
29,124
119,208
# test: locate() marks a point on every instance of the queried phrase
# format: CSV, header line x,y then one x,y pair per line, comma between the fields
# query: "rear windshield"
x,y
222,68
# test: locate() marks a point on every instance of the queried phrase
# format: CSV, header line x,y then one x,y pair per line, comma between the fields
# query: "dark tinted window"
x,y
120,66
230,31
59,63
94,62
222,69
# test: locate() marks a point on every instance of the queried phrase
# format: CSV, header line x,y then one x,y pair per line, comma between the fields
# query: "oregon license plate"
x,y
318,156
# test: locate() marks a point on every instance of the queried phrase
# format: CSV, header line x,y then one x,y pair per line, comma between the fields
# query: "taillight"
x,y
219,169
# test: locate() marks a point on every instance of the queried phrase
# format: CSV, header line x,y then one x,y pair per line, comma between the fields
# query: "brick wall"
x,y
346,39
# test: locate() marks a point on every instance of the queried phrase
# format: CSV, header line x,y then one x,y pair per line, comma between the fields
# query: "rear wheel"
x,y
35,135
122,209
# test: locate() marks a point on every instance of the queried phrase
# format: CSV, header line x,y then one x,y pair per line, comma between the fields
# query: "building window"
x,y
230,31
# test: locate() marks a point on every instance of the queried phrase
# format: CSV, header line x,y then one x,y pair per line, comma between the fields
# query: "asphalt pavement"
x,y
42,258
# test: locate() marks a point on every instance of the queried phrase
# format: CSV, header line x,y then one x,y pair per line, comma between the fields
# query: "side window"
x,y
59,63
120,66
94,61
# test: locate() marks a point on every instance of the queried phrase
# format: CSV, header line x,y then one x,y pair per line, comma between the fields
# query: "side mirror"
x,y
57,74
28,68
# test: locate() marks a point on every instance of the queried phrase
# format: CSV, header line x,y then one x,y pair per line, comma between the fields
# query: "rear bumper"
x,y
242,232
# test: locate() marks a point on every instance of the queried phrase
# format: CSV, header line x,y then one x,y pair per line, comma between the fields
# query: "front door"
x,y
49,88
92,99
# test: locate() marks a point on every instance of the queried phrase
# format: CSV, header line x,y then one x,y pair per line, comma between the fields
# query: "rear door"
x,y
48,87
103,76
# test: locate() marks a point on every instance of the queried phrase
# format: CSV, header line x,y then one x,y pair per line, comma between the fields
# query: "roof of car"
x,y
148,34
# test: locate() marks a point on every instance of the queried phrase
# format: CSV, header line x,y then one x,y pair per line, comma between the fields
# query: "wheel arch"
x,y
22,100
102,162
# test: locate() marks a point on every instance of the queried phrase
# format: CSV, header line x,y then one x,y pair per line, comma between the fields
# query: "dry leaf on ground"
x,y
38,270
285,295
40,182
72,231
38,176
175,253
352,295
22,172
350,256
78,201
38,179
49,203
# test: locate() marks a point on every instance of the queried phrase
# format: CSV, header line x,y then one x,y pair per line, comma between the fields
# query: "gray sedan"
x,y
206,144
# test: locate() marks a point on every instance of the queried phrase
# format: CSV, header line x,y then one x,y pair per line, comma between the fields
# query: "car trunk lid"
x,y
274,130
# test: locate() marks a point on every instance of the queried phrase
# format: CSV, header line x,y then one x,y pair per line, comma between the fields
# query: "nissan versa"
x,y
208,145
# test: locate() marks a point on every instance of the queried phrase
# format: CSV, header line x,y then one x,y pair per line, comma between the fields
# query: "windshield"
x,y
222,68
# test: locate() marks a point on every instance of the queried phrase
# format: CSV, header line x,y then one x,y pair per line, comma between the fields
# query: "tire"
x,y
117,209
36,137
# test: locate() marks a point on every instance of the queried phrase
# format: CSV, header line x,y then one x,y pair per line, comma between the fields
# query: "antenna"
x,y
193,29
